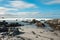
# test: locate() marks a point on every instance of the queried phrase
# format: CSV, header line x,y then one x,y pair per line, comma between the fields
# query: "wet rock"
x,y
36,36
16,32
21,29
55,24
56,34
41,32
51,30
4,29
33,32
38,24
33,21
3,23
39,35
51,39
43,24
23,38
6,33
15,24
57,27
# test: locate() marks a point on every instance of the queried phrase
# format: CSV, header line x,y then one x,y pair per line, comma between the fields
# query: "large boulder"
x,y
55,24
4,29
39,24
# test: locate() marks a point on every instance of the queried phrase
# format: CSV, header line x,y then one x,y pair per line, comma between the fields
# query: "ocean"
x,y
19,20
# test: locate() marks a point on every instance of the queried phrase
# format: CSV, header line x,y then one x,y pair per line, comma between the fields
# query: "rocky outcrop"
x,y
4,23
38,24
14,25
55,23
33,21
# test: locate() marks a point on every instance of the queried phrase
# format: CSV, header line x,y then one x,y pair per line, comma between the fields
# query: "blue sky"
x,y
30,8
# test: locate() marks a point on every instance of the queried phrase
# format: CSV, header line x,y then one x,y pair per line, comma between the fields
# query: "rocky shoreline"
x,y
34,34
55,24
20,32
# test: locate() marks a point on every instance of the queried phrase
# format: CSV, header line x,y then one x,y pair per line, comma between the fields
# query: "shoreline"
x,y
36,34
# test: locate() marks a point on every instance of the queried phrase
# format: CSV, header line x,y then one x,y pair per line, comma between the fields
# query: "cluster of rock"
x,y
37,23
4,23
4,26
55,23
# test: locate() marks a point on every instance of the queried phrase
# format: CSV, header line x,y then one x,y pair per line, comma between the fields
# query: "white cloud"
x,y
14,5
5,13
53,2
21,4
23,14
4,10
28,14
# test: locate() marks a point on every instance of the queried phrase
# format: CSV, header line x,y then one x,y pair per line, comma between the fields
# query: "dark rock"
x,y
6,33
36,36
51,39
38,24
55,24
41,32
16,32
23,38
4,29
33,32
56,34
51,30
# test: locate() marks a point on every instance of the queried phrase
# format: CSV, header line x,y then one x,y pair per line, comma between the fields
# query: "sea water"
x,y
27,24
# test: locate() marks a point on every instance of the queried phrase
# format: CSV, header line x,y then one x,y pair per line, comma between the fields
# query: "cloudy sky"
x,y
30,8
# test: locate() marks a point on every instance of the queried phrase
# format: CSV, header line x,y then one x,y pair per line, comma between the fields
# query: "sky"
x,y
30,8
